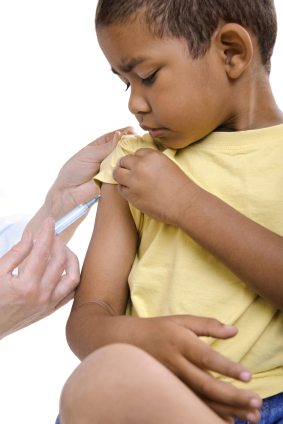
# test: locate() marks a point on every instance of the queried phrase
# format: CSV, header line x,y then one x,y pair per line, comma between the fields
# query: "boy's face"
x,y
177,99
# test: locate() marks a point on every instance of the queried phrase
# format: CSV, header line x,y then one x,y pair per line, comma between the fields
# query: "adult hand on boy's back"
x,y
74,180
154,184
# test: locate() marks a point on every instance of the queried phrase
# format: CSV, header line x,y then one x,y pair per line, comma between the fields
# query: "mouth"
x,y
154,132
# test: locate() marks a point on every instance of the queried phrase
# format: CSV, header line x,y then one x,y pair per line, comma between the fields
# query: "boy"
x,y
197,70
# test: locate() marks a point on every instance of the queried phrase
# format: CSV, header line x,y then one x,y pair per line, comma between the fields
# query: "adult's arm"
x,y
156,186
40,288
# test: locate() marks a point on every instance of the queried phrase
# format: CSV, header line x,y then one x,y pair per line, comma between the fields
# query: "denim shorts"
x,y
271,411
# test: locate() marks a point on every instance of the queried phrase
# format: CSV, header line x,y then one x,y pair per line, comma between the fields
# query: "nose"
x,y
138,104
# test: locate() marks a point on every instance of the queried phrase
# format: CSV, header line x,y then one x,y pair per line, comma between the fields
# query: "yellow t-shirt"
x,y
172,274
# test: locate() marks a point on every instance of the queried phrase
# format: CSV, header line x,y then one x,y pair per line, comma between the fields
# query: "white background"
x,y
56,95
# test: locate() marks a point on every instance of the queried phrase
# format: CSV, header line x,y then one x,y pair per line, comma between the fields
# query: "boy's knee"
x,y
97,378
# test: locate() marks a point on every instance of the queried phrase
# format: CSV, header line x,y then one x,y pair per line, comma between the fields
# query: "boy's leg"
x,y
122,384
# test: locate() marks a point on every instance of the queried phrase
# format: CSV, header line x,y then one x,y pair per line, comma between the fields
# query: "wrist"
x,y
187,203
58,202
54,206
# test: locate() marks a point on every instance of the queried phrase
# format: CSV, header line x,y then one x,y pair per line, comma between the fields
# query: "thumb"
x,y
208,327
106,148
17,254
116,138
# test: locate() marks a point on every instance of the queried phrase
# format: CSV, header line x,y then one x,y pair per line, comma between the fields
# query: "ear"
x,y
236,48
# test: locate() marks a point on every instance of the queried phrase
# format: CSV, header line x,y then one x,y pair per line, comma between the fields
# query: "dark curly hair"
x,y
196,20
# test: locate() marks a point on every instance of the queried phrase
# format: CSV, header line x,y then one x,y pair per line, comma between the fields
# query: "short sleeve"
x,y
128,144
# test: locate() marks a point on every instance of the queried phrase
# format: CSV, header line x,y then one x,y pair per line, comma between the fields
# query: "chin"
x,y
173,144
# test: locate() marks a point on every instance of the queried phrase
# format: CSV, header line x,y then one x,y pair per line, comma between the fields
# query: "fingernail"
x,y
251,417
115,137
113,170
118,161
229,327
245,376
255,403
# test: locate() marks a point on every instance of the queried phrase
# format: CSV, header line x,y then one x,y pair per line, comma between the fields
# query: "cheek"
x,y
187,106
182,101
170,103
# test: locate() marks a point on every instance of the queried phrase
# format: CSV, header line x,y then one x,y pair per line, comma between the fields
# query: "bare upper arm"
x,y
110,254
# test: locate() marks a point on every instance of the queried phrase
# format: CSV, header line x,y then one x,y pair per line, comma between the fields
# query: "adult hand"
x,y
174,342
74,180
154,184
40,288
74,184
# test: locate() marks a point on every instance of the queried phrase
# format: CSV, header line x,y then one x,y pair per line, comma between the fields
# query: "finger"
x,y
121,176
228,420
106,138
70,280
127,161
252,415
109,146
116,138
203,326
143,152
125,192
17,254
40,254
55,266
128,130
202,355
66,300
205,385
101,151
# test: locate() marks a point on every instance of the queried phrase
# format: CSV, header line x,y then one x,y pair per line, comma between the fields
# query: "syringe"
x,y
75,214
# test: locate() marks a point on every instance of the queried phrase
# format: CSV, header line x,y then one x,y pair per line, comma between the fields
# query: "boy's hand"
x,y
174,342
153,184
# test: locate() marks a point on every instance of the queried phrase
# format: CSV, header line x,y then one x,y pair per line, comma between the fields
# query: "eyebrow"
x,y
128,67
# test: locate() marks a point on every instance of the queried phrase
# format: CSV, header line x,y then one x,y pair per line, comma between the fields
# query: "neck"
x,y
255,106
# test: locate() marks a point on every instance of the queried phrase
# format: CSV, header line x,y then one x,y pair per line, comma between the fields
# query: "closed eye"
x,y
150,80
146,81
